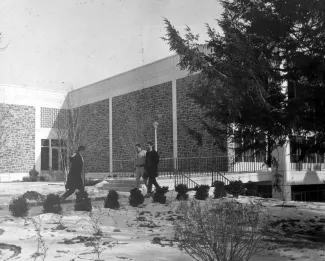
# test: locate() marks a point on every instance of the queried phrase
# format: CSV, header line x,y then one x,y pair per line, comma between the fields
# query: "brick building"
x,y
117,113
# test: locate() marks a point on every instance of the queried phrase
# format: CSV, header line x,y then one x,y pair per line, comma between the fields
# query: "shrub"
x,y
219,189
251,188
114,176
225,230
111,200
18,207
235,188
136,198
83,202
45,177
26,179
51,204
181,190
202,192
159,195
33,175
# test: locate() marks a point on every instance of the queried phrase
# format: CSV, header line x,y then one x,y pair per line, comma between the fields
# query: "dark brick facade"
x,y
17,150
95,123
133,117
187,116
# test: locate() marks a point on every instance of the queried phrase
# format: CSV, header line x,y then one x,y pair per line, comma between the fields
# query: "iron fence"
x,y
194,166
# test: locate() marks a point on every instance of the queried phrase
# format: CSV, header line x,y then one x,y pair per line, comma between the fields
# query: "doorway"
x,y
53,157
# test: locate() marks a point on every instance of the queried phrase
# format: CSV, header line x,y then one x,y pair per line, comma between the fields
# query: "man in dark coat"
x,y
151,167
75,180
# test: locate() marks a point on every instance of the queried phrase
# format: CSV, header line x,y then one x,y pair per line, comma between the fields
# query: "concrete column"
x,y
110,134
282,154
174,102
38,138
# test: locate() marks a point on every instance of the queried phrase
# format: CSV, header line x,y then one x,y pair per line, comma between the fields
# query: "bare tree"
x,y
75,128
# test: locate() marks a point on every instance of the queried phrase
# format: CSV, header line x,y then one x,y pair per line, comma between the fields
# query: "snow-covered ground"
x,y
143,233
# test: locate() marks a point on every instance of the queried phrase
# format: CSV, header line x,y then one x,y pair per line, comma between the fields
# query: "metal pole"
x,y
155,125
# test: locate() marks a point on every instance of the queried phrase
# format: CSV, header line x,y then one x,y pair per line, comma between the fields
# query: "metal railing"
x,y
310,162
194,166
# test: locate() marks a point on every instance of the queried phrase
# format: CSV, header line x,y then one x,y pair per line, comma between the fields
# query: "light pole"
x,y
155,125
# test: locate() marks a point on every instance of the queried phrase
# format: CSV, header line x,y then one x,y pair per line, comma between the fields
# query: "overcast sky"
x,y
64,44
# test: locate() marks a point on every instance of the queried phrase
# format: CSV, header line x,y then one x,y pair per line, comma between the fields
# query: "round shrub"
x,y
159,195
18,207
111,200
51,204
202,192
181,189
45,177
33,175
83,202
136,198
25,179
235,188
219,189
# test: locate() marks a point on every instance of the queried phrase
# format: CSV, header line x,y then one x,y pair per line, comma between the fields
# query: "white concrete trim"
x,y
22,95
174,104
110,108
37,138
156,73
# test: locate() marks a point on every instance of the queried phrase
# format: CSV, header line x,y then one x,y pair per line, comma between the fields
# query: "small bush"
x,y
219,189
33,175
111,200
114,176
26,179
181,190
215,226
45,177
202,192
136,198
18,207
159,195
83,202
51,204
251,188
235,188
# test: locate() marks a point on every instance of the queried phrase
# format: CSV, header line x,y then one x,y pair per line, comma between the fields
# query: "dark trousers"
x,y
152,180
69,192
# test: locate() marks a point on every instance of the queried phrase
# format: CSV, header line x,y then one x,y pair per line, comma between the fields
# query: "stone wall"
x,y
133,117
95,126
188,114
17,150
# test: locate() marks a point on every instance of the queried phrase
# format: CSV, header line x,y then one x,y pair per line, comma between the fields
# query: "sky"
x,y
68,44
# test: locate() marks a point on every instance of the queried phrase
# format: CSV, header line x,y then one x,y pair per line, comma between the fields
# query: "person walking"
x,y
75,179
139,165
151,168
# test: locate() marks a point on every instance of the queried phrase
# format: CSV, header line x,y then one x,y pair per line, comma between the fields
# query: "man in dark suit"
x,y
151,167
75,180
